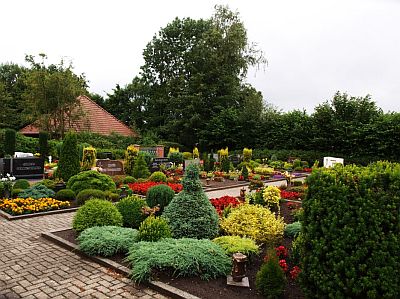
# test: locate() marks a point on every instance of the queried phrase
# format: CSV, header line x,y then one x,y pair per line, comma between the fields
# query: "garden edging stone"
x,y
158,286
25,216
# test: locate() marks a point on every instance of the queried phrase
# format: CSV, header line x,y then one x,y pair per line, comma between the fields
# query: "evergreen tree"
x,y
140,169
69,164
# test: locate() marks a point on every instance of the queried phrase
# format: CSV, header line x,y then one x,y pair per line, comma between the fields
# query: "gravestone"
x,y
110,167
157,162
23,168
331,161
192,161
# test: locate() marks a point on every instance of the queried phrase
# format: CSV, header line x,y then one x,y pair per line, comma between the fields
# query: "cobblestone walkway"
x,y
32,267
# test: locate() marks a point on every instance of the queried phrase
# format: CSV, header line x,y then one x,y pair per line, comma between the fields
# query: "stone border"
x,y
158,286
25,216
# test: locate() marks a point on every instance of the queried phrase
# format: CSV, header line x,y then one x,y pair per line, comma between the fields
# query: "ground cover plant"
x,y
36,192
19,206
107,240
351,225
186,257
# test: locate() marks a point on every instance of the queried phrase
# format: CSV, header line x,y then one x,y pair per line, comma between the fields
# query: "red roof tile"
x,y
96,120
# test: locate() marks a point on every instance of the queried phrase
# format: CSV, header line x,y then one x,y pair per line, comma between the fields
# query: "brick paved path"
x,y
32,267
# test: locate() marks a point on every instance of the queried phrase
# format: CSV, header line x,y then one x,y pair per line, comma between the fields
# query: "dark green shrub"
x,y
21,184
351,232
69,164
176,157
186,257
190,213
9,142
233,244
111,196
36,192
131,209
158,176
2,189
91,180
270,280
87,194
129,179
298,184
65,195
43,144
96,212
293,229
225,164
206,161
107,240
245,173
140,169
297,164
160,195
153,229
15,192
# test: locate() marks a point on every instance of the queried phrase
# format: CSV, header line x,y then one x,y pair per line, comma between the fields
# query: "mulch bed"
x,y
215,288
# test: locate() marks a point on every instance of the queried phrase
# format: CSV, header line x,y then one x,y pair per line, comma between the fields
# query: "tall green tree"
x,y
12,88
127,103
194,70
52,95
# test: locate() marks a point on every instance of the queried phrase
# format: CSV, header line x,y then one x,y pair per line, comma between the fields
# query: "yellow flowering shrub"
x,y
19,206
255,222
272,195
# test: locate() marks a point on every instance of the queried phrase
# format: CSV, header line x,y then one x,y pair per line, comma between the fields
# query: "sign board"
x,y
23,168
110,167
193,161
331,161
23,155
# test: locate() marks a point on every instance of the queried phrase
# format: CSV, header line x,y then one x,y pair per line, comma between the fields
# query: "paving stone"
x,y
33,268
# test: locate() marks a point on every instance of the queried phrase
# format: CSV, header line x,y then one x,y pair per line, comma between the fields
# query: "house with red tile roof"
x,y
95,120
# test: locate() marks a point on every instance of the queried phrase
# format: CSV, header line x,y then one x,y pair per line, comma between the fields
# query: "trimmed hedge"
x,y
351,232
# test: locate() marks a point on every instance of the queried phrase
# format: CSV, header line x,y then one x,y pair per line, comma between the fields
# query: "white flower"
x,y
3,179
12,178
8,174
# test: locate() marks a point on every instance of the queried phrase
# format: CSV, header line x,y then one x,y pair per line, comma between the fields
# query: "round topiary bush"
x,y
154,229
21,184
91,180
96,212
160,195
255,222
158,176
131,209
107,240
190,213
65,195
87,194
129,179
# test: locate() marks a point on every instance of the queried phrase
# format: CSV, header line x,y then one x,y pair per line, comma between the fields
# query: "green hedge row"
x,y
351,231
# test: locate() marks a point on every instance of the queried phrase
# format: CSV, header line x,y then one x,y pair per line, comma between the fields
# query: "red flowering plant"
x,y
141,188
307,169
294,273
283,265
281,252
225,201
290,195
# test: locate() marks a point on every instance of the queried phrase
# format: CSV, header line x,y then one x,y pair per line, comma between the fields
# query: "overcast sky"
x,y
313,48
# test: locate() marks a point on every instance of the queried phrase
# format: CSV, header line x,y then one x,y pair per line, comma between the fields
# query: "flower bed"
x,y
141,188
21,206
290,195
222,202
